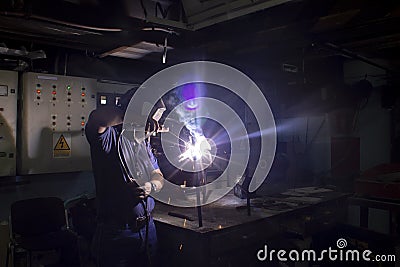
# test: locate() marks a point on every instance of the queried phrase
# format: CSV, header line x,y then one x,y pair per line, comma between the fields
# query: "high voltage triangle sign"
x,y
62,144
61,148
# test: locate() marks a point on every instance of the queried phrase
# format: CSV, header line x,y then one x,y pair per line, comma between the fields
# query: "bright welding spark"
x,y
201,148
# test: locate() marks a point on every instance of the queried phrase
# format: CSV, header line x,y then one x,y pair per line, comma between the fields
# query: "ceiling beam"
x,y
230,11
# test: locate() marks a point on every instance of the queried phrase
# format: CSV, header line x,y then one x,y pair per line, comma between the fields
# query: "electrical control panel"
x,y
54,115
8,122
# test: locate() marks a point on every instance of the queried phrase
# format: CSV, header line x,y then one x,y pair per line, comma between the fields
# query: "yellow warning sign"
x,y
61,148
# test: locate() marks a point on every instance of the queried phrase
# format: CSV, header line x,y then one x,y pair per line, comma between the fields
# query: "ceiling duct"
x,y
22,52
13,64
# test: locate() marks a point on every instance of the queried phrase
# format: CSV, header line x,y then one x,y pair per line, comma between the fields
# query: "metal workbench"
x,y
229,237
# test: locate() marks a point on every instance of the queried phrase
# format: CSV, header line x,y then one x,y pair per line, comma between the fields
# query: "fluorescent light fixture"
x,y
136,51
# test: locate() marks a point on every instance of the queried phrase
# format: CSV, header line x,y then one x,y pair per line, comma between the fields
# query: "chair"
x,y
82,220
82,215
39,224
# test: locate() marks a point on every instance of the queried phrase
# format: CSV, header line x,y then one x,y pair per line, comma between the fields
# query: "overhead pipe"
x,y
64,23
354,55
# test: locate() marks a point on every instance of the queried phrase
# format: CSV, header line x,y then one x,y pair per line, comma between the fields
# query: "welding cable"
x,y
143,202
97,243
127,172
146,238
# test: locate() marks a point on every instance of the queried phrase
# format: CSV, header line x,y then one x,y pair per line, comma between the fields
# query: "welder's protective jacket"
x,y
115,200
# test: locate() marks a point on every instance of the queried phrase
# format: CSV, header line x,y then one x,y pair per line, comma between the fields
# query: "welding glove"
x,y
140,191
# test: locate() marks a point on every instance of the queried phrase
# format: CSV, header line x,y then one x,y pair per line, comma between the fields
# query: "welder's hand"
x,y
138,191
146,189
141,191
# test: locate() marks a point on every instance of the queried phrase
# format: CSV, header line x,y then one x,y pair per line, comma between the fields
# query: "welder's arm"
x,y
104,117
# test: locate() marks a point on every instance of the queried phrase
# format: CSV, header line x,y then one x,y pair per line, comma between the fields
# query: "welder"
x,y
125,233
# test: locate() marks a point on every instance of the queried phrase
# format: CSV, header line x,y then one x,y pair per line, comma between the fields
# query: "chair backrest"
x,y
37,216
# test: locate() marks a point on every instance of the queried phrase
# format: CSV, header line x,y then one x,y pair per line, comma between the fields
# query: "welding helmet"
x,y
156,111
124,100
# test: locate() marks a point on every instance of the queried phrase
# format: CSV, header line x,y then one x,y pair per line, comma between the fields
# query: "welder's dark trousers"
x,y
118,246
